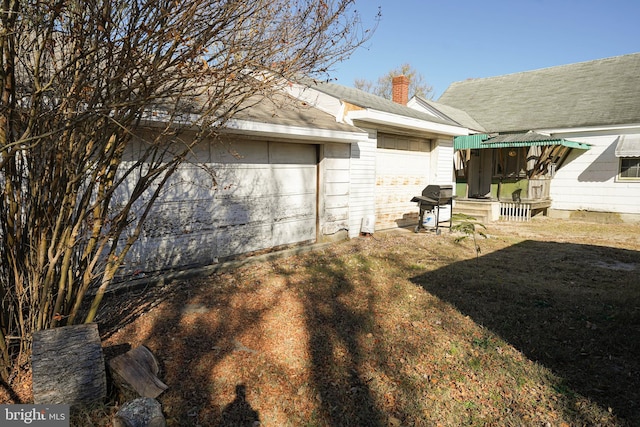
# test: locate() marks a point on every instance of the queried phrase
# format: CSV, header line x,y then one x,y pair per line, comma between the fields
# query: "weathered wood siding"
x,y
403,169
334,187
588,180
268,201
363,183
264,196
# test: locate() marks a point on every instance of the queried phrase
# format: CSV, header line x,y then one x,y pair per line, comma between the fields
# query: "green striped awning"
x,y
528,139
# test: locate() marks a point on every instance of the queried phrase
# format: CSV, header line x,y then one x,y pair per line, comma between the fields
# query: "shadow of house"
x,y
574,309
604,168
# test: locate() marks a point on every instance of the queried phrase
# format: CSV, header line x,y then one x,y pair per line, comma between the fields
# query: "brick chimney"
x,y
400,91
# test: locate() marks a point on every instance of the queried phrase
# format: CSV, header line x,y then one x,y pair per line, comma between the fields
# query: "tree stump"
x,y
142,412
68,366
137,369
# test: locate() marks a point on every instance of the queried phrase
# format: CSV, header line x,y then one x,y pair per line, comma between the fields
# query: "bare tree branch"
x,y
383,87
83,83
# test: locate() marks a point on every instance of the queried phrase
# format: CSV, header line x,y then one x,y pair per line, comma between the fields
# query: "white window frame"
x,y
636,166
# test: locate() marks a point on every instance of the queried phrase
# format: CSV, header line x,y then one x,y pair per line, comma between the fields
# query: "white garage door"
x,y
266,196
402,172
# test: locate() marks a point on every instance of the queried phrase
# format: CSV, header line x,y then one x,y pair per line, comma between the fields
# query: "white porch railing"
x,y
513,211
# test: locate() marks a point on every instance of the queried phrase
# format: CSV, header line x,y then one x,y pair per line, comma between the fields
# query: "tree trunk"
x,y
142,412
137,369
68,366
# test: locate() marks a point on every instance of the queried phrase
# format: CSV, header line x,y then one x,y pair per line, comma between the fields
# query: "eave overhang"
x,y
270,130
301,133
403,122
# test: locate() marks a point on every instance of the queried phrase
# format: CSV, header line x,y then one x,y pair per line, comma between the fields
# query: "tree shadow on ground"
x,y
190,345
336,330
186,343
573,308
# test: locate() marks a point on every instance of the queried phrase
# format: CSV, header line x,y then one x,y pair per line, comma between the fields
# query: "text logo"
x,y
34,415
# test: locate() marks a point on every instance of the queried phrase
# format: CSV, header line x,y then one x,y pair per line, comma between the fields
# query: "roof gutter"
x,y
592,130
404,122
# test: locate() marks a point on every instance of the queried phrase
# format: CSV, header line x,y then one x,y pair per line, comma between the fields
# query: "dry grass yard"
x,y
400,329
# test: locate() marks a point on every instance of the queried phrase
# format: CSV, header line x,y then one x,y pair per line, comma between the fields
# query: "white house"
x,y
308,166
405,151
589,111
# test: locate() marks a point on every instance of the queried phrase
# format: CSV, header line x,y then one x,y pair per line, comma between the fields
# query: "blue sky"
x,y
452,40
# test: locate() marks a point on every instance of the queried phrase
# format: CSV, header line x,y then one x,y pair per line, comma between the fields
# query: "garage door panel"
x,y
291,207
261,206
400,175
286,181
239,152
244,238
240,211
287,232
246,181
263,209
296,154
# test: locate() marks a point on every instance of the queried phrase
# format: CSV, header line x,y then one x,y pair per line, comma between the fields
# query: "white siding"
x,y
334,188
588,180
265,196
362,185
442,156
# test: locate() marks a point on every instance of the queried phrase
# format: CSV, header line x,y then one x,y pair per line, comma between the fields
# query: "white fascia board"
x,y
293,132
417,105
592,130
426,108
248,127
388,119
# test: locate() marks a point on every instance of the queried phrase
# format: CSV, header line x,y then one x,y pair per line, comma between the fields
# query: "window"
x,y
630,167
392,142
510,162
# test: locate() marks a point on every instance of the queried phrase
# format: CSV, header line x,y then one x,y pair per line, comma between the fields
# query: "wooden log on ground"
x,y
68,366
137,369
142,412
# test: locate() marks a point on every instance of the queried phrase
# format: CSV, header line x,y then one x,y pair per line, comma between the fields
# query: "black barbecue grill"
x,y
433,197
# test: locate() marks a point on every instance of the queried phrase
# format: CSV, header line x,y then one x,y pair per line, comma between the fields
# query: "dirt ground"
x,y
542,328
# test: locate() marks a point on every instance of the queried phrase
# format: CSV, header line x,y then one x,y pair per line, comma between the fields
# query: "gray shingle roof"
x,y
600,92
367,100
284,110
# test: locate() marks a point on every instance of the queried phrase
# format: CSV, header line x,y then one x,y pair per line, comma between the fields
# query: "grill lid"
x,y
435,195
438,191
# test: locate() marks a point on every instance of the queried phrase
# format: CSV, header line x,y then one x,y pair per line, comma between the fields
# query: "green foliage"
x,y
468,226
